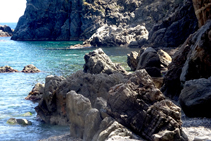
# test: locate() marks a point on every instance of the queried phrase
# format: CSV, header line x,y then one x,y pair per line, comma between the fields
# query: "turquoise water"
x,y
14,87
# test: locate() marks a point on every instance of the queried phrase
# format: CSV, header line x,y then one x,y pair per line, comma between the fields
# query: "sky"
x,y
11,10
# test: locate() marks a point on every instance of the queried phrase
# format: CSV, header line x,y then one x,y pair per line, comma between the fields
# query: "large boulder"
x,y
155,62
195,97
5,31
98,62
132,60
7,69
36,93
141,107
191,61
30,69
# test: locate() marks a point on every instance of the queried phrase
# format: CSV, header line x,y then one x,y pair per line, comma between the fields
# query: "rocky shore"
x,y
165,97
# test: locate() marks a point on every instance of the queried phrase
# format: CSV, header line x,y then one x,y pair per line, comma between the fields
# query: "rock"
x,y
175,29
36,93
141,107
7,69
92,86
19,121
196,96
202,11
155,62
119,36
112,130
158,81
98,62
30,69
5,31
191,61
27,114
132,60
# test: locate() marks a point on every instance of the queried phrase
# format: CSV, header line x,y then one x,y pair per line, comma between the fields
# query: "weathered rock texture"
x,y
98,62
5,31
100,106
175,29
36,93
107,23
192,61
30,69
155,62
196,97
7,69
202,11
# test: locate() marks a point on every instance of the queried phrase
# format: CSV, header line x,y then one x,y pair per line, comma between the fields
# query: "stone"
x,y
195,97
36,93
191,61
132,60
7,69
27,114
155,62
5,31
19,121
98,62
141,107
175,28
202,11
30,69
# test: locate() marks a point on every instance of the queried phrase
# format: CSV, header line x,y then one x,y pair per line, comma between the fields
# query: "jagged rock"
x,y
119,36
112,130
36,93
155,62
5,31
19,121
202,11
92,86
191,61
30,69
195,97
132,60
141,107
176,28
7,69
98,62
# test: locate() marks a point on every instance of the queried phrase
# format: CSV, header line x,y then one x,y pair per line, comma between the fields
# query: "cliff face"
x,y
80,19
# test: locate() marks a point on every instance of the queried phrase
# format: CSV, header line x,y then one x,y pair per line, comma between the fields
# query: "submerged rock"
x,y
30,69
36,93
19,121
7,69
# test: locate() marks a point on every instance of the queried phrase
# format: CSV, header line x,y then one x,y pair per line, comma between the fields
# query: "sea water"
x,y
14,87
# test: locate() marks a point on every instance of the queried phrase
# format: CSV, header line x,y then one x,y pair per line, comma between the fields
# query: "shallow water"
x,y
14,87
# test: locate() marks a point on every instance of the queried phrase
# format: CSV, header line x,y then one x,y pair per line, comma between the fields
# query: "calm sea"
x,y
14,87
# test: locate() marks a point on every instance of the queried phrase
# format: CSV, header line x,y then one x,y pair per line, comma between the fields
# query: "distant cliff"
x,y
120,22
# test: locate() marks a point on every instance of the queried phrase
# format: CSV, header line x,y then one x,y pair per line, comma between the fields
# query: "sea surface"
x,y
14,87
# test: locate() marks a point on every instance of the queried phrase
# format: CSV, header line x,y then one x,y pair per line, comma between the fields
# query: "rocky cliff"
x,y
114,22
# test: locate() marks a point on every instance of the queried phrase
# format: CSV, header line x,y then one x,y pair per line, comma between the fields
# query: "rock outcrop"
x,y
101,106
202,11
176,28
195,97
30,69
108,23
192,61
7,69
98,62
155,62
5,31
36,93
